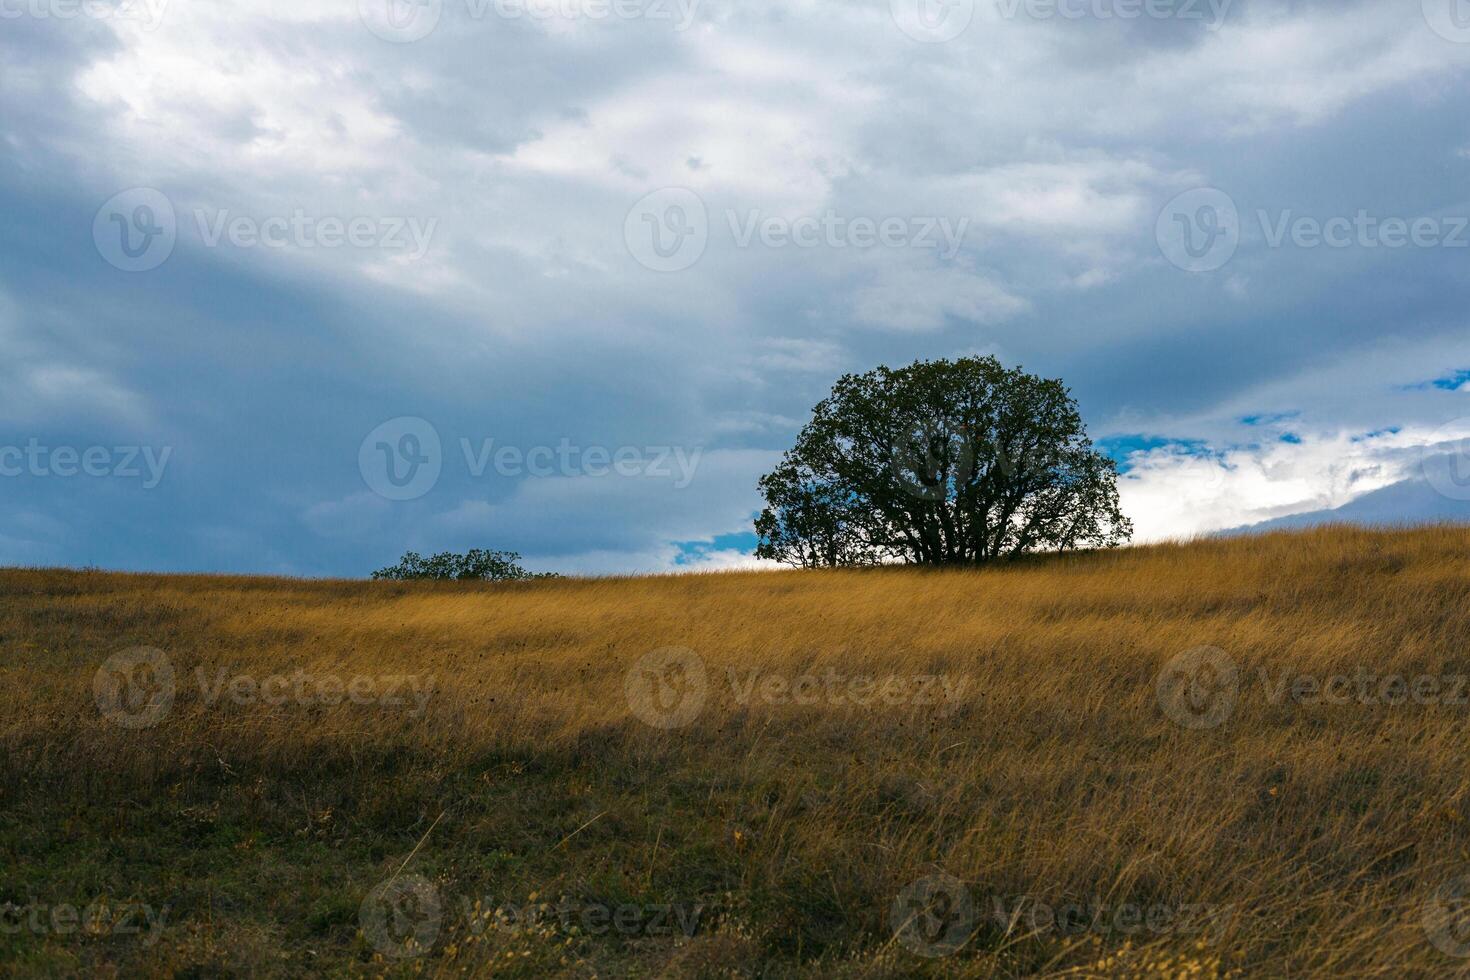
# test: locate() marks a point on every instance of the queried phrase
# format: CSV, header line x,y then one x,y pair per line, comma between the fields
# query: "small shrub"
x,y
475,565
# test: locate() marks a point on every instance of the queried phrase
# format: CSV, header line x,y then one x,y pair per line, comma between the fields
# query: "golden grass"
x,y
1291,839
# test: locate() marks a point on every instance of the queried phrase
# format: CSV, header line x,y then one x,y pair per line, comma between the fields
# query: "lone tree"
x,y
939,462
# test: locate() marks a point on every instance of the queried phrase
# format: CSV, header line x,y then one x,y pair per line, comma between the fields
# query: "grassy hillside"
x,y
1028,770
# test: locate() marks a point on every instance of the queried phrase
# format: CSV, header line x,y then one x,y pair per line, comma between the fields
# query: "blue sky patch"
x,y
1272,418
691,552
1122,448
1455,381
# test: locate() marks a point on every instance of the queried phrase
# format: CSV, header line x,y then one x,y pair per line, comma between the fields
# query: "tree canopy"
x,y
939,462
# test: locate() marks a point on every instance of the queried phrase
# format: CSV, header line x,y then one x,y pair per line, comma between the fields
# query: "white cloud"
x,y
798,354
664,560
917,298
1173,494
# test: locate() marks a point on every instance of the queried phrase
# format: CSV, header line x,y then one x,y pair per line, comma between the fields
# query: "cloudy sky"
x,y
294,287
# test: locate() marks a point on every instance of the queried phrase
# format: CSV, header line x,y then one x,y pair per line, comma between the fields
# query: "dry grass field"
x,y
1235,757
